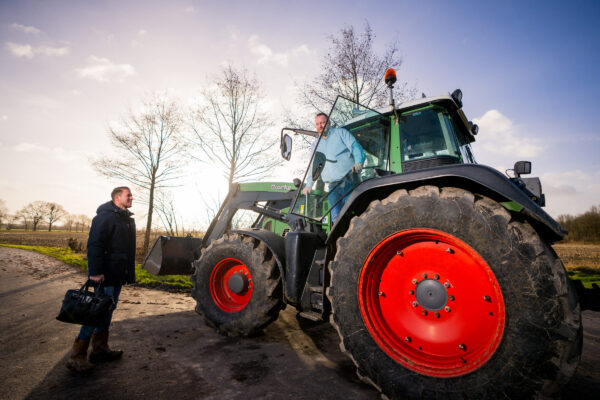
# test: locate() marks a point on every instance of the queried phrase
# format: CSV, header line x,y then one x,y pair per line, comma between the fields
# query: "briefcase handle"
x,y
85,288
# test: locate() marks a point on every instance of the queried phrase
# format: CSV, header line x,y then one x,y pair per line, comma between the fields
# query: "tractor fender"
x,y
476,178
274,242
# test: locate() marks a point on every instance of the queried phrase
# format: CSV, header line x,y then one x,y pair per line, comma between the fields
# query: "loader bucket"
x,y
172,255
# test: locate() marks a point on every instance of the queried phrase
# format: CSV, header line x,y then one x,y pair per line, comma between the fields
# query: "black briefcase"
x,y
83,307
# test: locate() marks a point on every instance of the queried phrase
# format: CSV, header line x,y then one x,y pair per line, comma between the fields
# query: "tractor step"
x,y
313,316
315,289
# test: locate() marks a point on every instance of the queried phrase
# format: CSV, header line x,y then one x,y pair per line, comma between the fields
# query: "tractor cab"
x,y
421,134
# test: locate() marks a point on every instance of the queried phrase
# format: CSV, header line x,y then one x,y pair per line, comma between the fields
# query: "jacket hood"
x,y
109,206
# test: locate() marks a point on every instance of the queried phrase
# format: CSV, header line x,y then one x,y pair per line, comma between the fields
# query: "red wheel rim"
x,y
231,285
431,303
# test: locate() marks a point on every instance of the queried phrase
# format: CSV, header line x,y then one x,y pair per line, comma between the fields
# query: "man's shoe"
x,y
100,350
78,361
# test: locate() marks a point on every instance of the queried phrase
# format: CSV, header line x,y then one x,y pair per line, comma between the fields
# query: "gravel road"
x,y
171,354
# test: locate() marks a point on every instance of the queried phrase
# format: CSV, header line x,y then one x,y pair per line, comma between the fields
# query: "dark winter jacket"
x,y
111,245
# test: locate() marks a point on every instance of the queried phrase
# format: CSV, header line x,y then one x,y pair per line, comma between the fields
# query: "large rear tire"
x,y
440,293
237,285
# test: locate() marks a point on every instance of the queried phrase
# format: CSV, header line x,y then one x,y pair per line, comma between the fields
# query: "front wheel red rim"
x,y
231,285
431,303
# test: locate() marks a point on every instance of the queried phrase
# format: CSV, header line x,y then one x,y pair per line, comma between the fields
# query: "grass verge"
x,y
143,277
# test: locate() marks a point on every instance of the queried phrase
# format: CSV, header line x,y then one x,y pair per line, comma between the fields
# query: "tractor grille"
x,y
426,163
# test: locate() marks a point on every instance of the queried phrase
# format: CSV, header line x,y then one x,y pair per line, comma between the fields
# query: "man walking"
x,y
111,262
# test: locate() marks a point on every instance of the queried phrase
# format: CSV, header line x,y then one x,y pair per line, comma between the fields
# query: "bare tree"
x,y
230,126
3,212
70,220
54,212
82,222
165,209
23,217
33,212
150,144
353,69
12,221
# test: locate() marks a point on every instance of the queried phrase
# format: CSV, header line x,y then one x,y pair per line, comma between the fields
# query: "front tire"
x,y
237,285
440,293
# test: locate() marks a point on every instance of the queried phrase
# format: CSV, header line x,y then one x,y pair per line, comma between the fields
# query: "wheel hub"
x,y
431,295
238,283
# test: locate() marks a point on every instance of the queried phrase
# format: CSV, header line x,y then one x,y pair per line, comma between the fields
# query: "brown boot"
x,y
100,350
78,361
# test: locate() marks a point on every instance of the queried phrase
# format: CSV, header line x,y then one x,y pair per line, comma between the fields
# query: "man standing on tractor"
x,y
111,263
342,154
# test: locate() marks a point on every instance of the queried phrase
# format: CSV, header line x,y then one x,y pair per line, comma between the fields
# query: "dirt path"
x,y
171,354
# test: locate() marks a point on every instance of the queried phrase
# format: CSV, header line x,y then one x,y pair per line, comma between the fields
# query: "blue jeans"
x,y
342,190
86,331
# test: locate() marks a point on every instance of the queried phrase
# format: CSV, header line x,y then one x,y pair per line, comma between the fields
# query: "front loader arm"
x,y
244,200
171,255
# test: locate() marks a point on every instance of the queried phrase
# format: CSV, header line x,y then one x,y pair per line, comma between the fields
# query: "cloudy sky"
x,y
68,69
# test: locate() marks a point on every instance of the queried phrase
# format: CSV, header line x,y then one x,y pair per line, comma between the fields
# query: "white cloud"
x,y
266,55
26,147
52,51
26,29
4,117
500,136
28,51
19,50
142,33
571,192
103,70
57,153
190,9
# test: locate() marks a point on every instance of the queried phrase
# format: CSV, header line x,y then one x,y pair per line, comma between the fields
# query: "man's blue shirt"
x,y
342,151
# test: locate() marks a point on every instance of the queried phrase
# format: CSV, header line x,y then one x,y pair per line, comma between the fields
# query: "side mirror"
x,y
522,168
286,147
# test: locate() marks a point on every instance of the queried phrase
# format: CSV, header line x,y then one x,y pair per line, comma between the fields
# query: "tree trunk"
x,y
50,227
149,220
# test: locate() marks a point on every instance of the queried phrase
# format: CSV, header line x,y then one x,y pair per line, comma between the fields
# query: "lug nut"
x,y
449,250
414,281
487,298
411,292
451,297
424,312
437,314
414,304
381,294
436,277
424,275
462,346
447,309
401,254
447,284
407,339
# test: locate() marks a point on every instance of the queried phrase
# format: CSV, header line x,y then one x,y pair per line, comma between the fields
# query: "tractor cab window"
x,y
353,144
427,133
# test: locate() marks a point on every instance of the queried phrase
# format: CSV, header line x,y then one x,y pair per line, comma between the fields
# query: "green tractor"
x,y
437,273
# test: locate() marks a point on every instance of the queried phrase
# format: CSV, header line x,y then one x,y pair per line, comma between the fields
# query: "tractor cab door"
x,y
352,147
